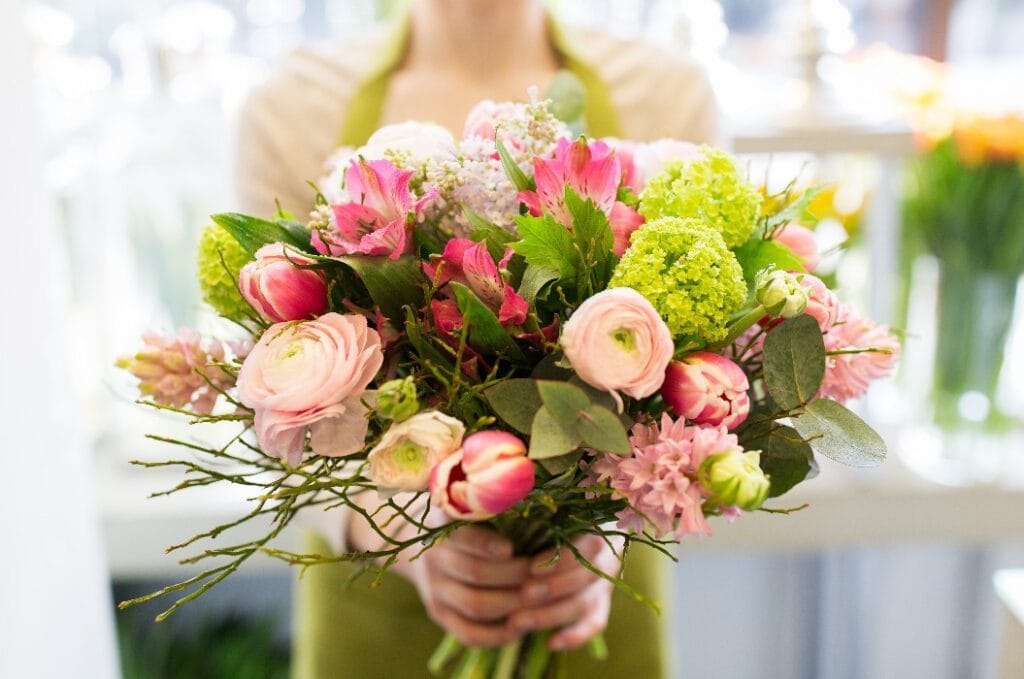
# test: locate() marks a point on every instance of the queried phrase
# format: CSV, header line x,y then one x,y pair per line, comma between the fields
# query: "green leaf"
x,y
423,347
592,233
549,438
534,280
835,432
485,332
601,429
596,396
519,179
392,283
794,361
515,401
785,457
559,465
497,238
547,243
757,254
563,401
548,368
799,210
253,233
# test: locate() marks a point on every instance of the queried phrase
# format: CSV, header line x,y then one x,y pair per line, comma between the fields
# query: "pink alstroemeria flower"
x,y
472,265
593,171
376,221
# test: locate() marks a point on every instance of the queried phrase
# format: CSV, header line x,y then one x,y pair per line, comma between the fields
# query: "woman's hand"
x,y
566,594
470,583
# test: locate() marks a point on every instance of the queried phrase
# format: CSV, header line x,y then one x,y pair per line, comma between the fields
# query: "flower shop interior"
x,y
120,122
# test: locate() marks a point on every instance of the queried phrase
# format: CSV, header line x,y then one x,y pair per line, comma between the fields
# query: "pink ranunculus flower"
x,y
659,479
800,241
707,388
822,303
376,221
591,169
848,375
310,376
410,449
616,342
471,264
488,476
278,289
651,157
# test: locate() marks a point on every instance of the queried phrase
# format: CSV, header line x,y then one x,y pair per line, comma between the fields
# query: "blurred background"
x,y
118,133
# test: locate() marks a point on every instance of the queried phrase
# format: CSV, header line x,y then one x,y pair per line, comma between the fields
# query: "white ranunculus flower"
x,y
420,141
411,448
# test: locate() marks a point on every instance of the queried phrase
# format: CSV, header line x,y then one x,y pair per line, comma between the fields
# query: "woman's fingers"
x,y
473,570
589,547
480,542
476,604
591,623
472,633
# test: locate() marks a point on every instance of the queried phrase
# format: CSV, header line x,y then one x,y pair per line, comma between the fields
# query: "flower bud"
x,y
409,450
278,289
488,476
780,293
735,478
707,388
397,400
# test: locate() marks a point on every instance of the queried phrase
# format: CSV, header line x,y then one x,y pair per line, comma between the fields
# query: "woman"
x,y
447,56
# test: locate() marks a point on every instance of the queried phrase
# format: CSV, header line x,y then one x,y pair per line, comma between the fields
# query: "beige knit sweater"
x,y
290,124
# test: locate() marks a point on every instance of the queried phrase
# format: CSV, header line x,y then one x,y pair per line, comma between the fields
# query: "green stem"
x,y
537,657
508,659
445,652
475,664
597,648
740,326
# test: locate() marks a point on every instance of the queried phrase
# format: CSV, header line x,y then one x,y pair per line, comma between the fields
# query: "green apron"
x,y
347,630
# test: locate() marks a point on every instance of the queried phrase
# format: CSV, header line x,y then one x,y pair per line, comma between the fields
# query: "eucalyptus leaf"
x,y
785,457
252,233
559,465
794,361
596,396
485,332
563,401
757,254
515,401
834,431
548,368
549,438
601,430
392,283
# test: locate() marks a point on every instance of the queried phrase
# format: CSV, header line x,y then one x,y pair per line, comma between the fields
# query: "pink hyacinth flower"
x,y
471,264
591,169
376,220
278,289
488,476
848,375
707,388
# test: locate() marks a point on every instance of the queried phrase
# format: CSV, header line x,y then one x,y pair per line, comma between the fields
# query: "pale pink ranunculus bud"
x,y
483,120
488,476
800,241
412,141
616,341
707,388
278,289
651,157
310,376
411,448
822,304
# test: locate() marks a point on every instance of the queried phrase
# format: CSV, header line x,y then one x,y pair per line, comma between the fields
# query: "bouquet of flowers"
x,y
545,334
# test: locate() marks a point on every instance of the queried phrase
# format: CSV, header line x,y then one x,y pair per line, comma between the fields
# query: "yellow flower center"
x,y
623,337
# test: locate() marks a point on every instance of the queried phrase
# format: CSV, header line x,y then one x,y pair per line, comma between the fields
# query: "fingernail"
x,y
537,590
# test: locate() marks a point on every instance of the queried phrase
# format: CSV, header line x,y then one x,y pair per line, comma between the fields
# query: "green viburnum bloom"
x,y
217,283
708,188
687,273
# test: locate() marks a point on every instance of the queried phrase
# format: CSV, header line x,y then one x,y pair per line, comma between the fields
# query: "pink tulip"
x,y
800,241
488,476
591,170
706,388
278,289
471,264
376,220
